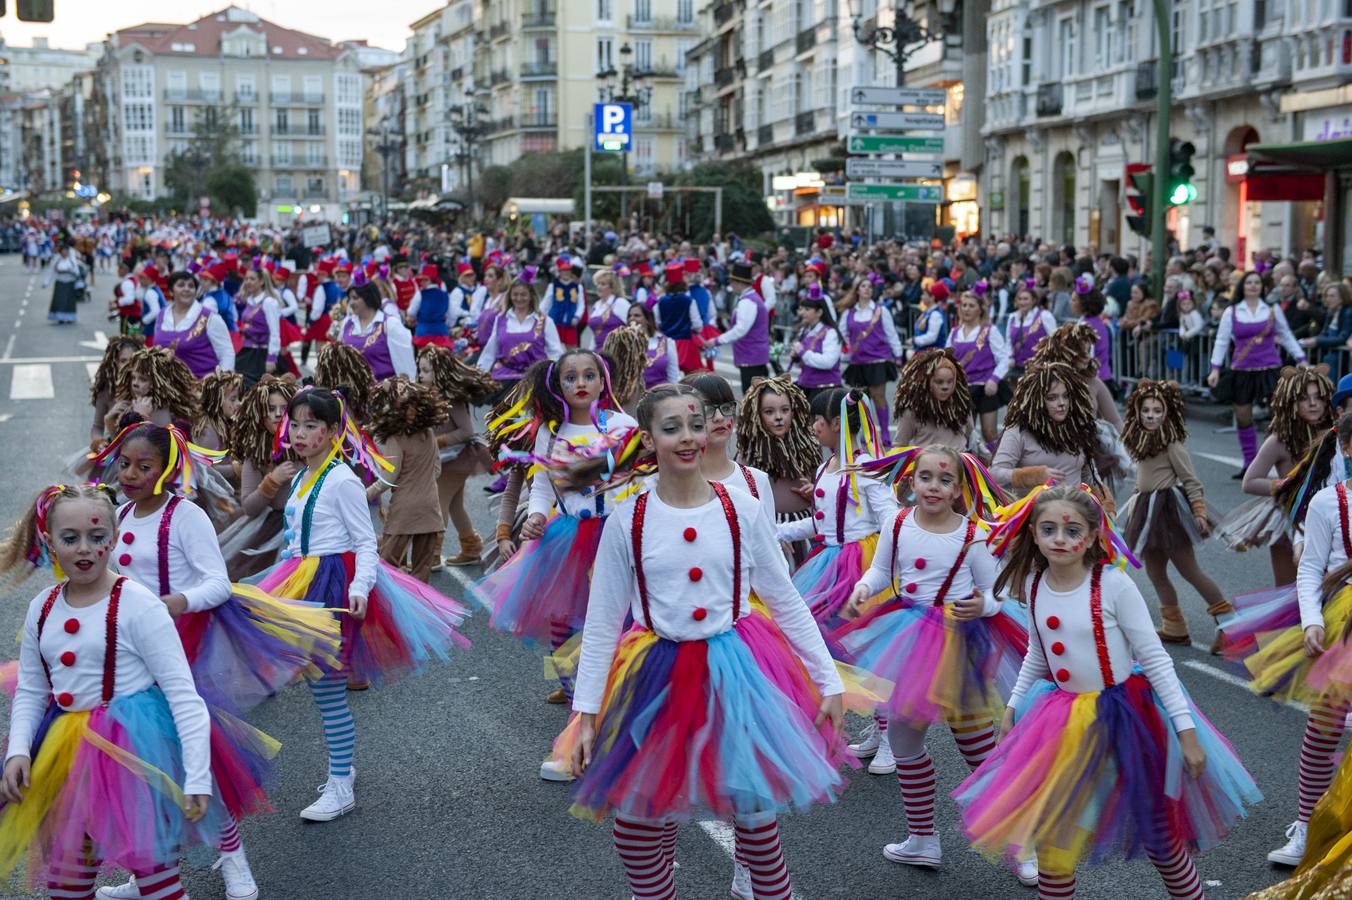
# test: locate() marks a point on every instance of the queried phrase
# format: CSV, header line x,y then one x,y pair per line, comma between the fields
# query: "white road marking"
x,y
32,382
100,341
6,360
9,347
1234,461
5,417
91,369
1228,678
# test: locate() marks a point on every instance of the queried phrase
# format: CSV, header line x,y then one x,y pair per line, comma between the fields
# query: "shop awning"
x,y
1319,156
1294,172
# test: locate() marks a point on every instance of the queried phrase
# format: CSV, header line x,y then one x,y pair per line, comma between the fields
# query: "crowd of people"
x,y
906,509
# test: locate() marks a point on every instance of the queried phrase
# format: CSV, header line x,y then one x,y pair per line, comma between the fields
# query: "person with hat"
x,y
126,300
931,328
151,297
691,357
644,292
260,324
402,282
468,296
749,333
677,316
213,295
290,306
328,293
431,309
565,300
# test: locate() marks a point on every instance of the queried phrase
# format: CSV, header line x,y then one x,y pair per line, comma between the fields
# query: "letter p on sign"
x,y
614,125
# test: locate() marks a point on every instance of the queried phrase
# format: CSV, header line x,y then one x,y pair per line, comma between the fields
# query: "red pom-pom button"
x,y
696,573
910,588
128,537
821,492
689,534
72,626
68,658
64,699
1053,622
920,563
1058,648
699,614
1062,675
820,514
819,538
124,559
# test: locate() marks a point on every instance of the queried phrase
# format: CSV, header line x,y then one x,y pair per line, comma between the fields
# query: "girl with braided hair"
x,y
250,544
116,356
1050,430
933,404
342,365
461,451
1301,411
1167,515
627,349
404,419
774,434
157,387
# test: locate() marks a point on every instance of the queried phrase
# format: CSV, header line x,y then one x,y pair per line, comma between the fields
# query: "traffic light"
x,y
35,10
1141,181
1179,188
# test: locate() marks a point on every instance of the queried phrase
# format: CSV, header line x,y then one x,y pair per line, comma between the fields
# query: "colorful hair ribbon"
x,y
981,496
1012,519
868,426
179,468
37,552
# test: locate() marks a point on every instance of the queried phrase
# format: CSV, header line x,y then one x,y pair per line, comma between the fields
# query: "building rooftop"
x,y
203,37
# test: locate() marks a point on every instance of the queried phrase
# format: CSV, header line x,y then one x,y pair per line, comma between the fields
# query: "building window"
x,y
138,82
211,117
1103,39
246,86
349,90
643,10
283,183
605,53
248,153
312,123
282,152
643,55
210,83
281,121
314,153
281,88
604,10
644,156
314,187
1067,35
685,11
682,48
176,84
177,121
246,121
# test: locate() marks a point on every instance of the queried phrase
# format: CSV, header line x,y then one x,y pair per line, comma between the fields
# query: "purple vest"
x,y
374,345
1103,347
753,348
1025,337
811,377
488,317
517,350
1255,343
602,328
254,325
655,369
868,340
190,345
975,356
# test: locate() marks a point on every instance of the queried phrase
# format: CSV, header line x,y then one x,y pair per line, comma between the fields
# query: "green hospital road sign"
x,y
888,143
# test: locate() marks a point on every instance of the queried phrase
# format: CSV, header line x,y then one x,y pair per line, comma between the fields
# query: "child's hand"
x,y
533,527
586,739
1203,526
969,609
195,806
143,407
1314,640
17,772
1194,757
356,604
832,711
1006,723
506,550
283,472
177,604
858,596
803,489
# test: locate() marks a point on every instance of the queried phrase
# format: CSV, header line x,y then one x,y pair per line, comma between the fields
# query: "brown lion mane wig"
x,y
914,394
794,456
1142,443
250,439
455,380
1078,433
1286,423
400,407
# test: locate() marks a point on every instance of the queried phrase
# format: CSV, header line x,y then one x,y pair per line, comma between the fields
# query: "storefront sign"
x,y
1327,124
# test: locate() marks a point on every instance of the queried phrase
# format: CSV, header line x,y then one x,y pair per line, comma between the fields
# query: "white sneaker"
x,y
1291,854
884,763
128,891
869,745
1026,871
335,799
239,880
741,882
917,850
556,770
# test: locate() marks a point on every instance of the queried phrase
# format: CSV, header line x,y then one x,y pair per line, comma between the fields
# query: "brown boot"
x,y
471,548
1216,610
1175,628
557,697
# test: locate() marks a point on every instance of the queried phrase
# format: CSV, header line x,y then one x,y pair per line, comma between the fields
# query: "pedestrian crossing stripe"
x,y
32,382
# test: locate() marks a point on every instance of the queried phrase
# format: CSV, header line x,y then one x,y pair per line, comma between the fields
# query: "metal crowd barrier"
x,y
1163,355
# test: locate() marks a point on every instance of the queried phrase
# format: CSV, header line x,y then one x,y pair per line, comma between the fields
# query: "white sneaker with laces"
x,y
336,798
869,745
1026,871
128,891
741,882
556,770
239,880
884,763
1291,854
917,850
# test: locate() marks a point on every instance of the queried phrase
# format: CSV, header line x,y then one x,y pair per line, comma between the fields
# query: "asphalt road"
x,y
449,802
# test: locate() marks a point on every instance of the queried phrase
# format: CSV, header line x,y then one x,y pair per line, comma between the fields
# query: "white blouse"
x,y
217,333
1324,552
690,587
196,568
1225,333
829,355
999,346
489,354
921,561
341,524
876,509
1128,633
149,652
543,494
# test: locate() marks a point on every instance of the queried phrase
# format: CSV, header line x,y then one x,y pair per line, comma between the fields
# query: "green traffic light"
x,y
1181,194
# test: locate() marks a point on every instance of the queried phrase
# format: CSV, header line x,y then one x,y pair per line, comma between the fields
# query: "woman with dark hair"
x,y
377,335
661,363
1089,304
195,333
816,347
69,273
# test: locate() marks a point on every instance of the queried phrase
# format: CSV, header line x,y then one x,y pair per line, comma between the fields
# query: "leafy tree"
x,y
231,188
744,209
211,165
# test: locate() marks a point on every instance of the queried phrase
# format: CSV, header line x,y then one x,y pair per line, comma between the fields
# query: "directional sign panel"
x,y
891,143
874,193
899,96
899,121
892,168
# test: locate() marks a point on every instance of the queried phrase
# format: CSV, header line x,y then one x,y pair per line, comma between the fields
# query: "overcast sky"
x,y
383,23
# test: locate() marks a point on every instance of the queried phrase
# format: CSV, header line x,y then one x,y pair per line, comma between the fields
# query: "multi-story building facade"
x,y
26,69
383,164
296,99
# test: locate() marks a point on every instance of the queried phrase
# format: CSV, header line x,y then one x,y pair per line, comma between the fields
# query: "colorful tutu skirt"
x,y
942,668
251,646
546,583
1265,634
723,725
1095,775
1260,522
250,545
110,775
828,576
407,624
1160,521
1326,871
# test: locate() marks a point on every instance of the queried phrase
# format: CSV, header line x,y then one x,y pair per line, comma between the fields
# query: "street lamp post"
x,y
470,121
386,148
626,91
900,42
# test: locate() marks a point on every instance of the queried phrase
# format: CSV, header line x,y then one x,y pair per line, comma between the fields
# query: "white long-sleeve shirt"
x,y
677,594
1225,333
341,524
553,346
196,567
272,314
1324,551
1128,633
876,509
921,560
829,355
543,495
864,311
459,309
397,338
934,324
152,300
217,333
149,652
126,291
743,319
290,306
999,346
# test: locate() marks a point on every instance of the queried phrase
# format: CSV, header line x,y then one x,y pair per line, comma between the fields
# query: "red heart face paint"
x,y
942,464
94,520
1065,517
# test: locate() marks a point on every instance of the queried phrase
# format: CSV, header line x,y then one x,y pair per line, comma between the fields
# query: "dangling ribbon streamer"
x,y
179,468
869,431
37,553
980,494
1013,518
353,444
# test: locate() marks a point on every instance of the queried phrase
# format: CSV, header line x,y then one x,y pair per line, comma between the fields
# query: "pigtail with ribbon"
x,y
981,496
1013,519
868,427
180,469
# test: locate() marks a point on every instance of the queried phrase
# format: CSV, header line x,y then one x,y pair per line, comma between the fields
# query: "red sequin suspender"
x,y
729,512
110,636
1342,518
750,481
162,544
1095,614
640,512
957,564
42,623
896,537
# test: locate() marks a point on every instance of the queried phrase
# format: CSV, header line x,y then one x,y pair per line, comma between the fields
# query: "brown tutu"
x,y
1159,521
1259,522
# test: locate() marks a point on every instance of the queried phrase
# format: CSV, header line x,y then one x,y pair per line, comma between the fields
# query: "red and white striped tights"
x,y
915,768
76,879
1323,730
648,851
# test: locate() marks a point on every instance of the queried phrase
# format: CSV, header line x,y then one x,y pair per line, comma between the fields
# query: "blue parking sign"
x,y
614,127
